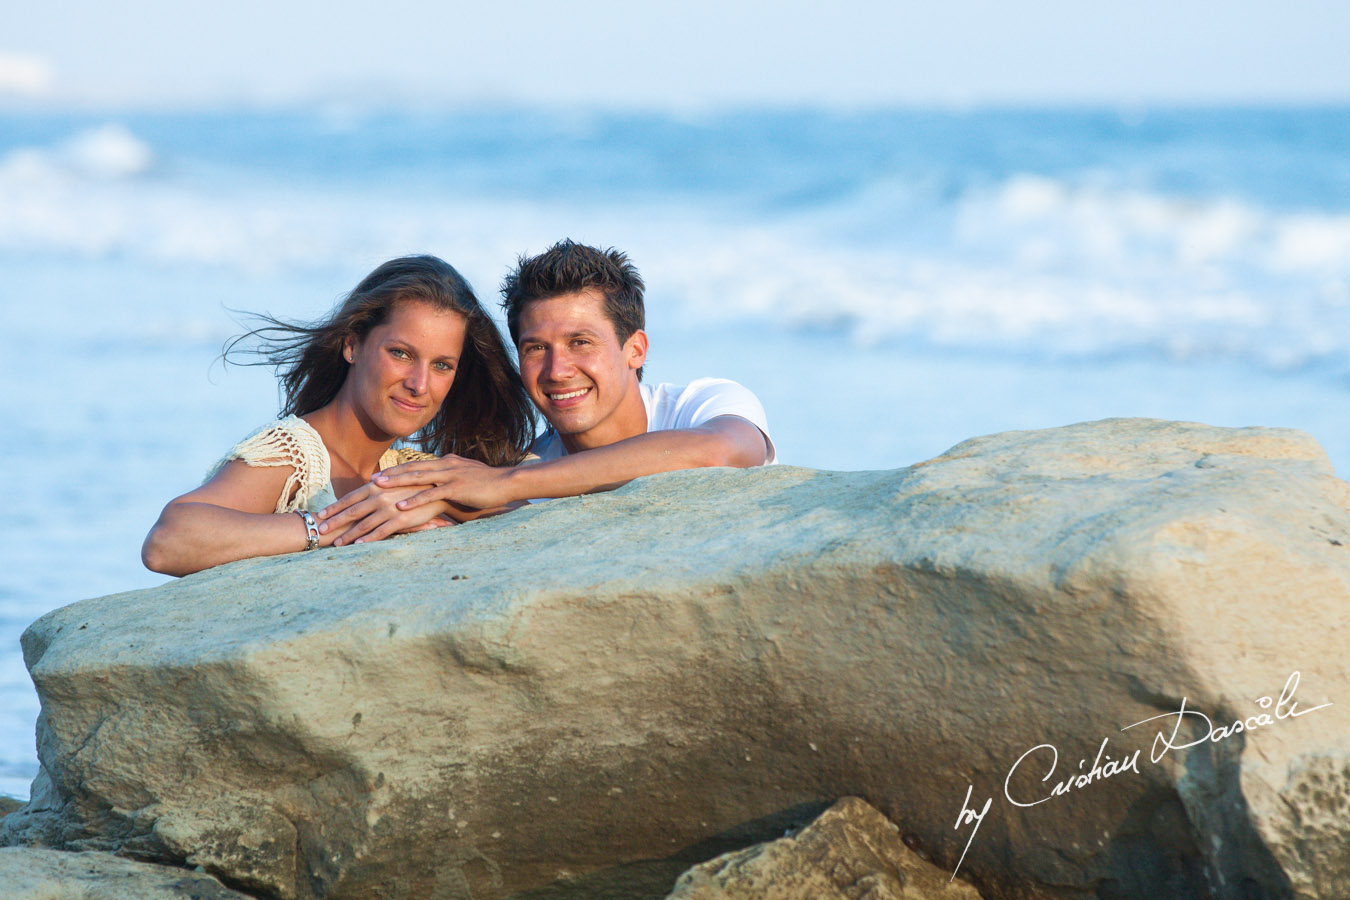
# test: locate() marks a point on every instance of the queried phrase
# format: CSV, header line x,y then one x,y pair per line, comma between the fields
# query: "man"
x,y
576,316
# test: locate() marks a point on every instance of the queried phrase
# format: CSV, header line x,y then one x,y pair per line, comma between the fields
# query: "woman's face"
x,y
403,369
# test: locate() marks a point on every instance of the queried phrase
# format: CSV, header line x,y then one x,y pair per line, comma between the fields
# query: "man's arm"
x,y
721,441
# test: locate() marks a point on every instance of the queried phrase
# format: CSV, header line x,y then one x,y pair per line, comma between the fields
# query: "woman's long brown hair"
x,y
487,414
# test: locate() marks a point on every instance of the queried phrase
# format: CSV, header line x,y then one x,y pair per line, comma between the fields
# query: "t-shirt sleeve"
x,y
707,398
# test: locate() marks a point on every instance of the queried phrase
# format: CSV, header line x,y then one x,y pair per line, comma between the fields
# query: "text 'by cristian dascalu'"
x,y
1045,757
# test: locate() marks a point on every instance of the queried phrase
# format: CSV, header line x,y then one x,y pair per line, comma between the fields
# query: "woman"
x,y
409,353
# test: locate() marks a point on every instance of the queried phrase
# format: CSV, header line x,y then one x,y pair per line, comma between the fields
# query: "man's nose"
x,y
560,366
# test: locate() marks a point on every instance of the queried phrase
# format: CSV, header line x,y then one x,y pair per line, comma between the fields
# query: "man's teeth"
x,y
567,396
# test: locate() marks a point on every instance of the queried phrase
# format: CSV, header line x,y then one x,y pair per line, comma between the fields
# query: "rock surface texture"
x,y
852,852
586,697
28,874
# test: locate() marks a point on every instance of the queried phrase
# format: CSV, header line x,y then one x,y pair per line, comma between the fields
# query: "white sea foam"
x,y
1039,266
1316,243
1031,265
110,151
24,74
107,152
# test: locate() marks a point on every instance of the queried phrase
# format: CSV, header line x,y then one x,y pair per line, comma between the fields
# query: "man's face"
x,y
578,373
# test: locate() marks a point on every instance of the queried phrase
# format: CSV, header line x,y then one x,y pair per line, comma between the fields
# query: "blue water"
x,y
889,282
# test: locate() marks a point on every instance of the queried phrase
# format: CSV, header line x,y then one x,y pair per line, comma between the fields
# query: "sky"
x,y
699,53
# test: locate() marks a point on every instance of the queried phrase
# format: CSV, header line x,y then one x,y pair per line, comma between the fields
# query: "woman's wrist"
x,y
311,529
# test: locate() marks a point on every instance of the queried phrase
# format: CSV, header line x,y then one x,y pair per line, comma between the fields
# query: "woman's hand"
x,y
467,483
371,513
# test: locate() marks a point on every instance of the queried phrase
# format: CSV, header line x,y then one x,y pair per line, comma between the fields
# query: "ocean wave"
x,y
109,151
1050,223
1056,269
1052,267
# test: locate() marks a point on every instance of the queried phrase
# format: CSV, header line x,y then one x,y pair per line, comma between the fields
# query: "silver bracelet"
x,y
311,529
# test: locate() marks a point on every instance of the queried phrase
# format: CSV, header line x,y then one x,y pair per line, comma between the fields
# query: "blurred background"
x,y
901,224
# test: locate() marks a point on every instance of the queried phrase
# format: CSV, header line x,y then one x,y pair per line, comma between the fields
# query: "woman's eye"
x,y
399,352
445,367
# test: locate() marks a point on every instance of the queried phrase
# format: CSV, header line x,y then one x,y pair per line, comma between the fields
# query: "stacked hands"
x,y
416,496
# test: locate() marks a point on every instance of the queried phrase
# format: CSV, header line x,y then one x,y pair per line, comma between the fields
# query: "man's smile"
x,y
562,397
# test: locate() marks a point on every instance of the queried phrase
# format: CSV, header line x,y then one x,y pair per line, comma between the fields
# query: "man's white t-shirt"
x,y
680,406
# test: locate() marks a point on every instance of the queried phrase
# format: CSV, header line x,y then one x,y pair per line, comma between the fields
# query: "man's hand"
x,y
454,479
372,513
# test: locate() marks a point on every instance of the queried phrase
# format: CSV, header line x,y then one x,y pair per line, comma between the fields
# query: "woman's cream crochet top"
x,y
293,442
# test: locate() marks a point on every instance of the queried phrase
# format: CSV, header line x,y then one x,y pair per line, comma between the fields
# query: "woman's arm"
x,y
230,517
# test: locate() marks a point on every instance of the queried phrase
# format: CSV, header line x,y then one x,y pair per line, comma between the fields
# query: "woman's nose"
x,y
417,380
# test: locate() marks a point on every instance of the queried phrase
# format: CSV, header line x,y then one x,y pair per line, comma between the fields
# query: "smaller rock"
x,y
8,805
851,852
31,874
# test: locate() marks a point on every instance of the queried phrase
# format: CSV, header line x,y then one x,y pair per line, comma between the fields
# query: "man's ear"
x,y
635,349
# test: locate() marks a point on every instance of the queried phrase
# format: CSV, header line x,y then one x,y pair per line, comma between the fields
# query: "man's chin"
x,y
565,428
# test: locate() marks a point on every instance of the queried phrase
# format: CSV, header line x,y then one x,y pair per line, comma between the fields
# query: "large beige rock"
x,y
29,874
852,852
587,697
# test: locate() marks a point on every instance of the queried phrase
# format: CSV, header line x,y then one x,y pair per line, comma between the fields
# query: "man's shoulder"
x,y
671,406
687,405
695,387
547,446
694,391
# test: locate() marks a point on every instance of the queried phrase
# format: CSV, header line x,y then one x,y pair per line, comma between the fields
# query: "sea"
x,y
890,282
